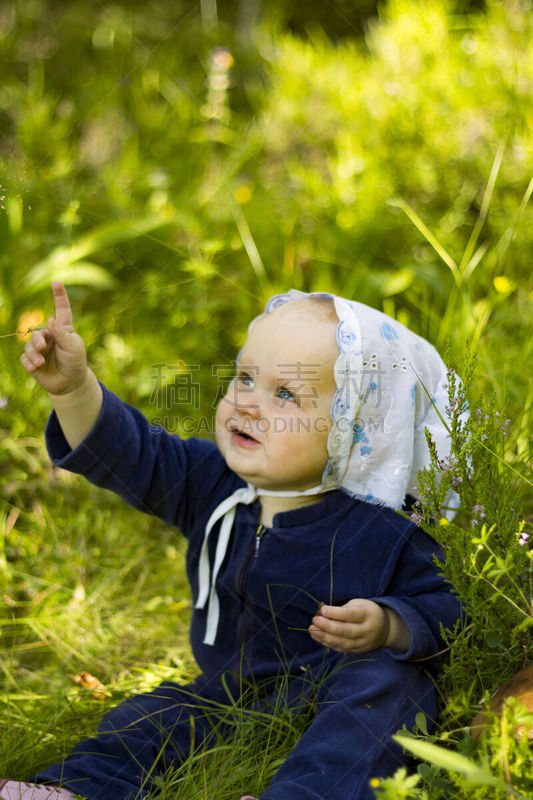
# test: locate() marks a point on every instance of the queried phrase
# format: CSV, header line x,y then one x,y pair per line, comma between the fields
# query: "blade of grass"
x,y
106,235
454,762
250,246
468,264
426,233
508,236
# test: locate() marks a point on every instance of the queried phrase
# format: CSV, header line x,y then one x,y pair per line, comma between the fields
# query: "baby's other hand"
x,y
356,627
55,355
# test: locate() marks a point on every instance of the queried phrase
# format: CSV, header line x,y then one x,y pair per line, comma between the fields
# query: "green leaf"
x,y
62,258
81,273
421,722
524,625
396,282
449,760
112,233
494,639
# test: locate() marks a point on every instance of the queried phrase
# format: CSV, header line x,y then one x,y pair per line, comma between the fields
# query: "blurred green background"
x,y
175,164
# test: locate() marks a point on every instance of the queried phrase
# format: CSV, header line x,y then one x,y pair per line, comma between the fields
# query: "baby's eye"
x,y
286,394
246,380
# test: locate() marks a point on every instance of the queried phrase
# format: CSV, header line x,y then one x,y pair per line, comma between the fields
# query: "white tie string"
x,y
207,577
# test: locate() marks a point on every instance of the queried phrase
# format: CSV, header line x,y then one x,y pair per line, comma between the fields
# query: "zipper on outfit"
x,y
253,552
260,532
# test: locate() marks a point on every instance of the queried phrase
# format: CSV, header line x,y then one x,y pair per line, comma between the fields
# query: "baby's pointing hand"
x,y
356,627
55,355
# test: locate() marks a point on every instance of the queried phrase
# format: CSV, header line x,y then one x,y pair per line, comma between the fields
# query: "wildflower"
x,y
503,426
523,539
448,464
502,284
222,58
450,409
374,783
443,522
28,320
243,193
416,519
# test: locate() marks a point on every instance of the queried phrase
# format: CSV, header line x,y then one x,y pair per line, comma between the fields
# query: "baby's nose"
x,y
244,398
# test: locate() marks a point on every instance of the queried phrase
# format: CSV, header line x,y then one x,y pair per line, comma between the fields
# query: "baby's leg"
x,y
137,740
364,700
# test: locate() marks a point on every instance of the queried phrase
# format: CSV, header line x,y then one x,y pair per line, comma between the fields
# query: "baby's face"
x,y
272,425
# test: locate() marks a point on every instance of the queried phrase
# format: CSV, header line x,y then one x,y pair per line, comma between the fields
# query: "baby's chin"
x,y
247,477
258,481
265,484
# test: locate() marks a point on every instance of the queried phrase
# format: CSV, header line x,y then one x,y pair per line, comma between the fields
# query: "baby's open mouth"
x,y
243,435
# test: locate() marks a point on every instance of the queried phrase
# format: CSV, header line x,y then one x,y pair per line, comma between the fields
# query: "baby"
x,y
318,440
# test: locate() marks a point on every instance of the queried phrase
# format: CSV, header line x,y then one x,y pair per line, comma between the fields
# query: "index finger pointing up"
x,y
63,310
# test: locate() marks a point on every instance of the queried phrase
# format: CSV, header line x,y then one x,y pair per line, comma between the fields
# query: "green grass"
x,y
89,598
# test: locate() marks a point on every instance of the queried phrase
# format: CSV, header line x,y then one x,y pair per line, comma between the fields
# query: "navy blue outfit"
x,y
268,587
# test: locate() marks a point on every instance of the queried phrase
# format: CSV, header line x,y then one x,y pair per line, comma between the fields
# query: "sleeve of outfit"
x,y
154,471
421,596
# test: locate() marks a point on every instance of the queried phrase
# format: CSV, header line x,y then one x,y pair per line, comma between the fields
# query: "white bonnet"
x,y
391,386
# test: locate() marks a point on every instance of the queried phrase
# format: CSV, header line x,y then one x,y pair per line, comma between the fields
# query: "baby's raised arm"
x,y
57,359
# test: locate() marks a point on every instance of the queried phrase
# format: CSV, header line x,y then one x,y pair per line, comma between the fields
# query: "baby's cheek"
x,y
222,425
